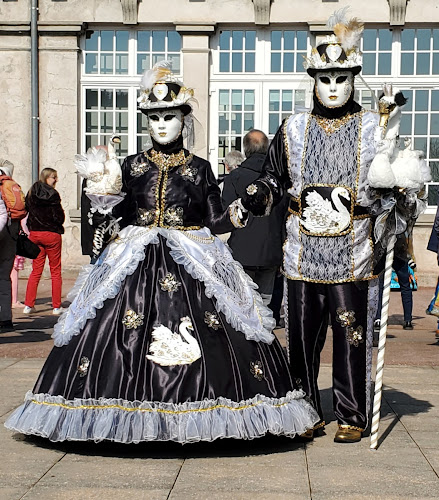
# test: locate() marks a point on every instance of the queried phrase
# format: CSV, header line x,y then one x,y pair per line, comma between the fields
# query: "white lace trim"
x,y
122,421
203,256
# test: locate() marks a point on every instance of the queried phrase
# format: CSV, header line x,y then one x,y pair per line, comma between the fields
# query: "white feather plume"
x,y
348,32
339,16
151,76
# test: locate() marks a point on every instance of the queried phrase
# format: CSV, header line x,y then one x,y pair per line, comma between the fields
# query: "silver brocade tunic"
x,y
329,231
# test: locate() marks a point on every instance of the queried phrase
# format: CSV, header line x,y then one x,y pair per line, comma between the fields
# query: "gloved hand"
x,y
256,198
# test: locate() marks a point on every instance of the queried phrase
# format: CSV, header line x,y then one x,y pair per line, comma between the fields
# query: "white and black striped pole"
x,y
382,345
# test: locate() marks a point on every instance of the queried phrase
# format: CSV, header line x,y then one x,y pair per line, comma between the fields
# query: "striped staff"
x,y
382,345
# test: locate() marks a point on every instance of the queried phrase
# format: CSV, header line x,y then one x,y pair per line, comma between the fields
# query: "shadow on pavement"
x,y
25,336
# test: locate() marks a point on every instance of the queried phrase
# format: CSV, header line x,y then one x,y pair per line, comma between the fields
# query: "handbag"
x,y
26,247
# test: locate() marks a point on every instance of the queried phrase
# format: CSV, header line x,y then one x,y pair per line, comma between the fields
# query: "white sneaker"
x,y
28,310
57,311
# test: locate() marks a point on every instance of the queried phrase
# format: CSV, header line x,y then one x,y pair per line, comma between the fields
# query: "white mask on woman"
x,y
334,88
165,125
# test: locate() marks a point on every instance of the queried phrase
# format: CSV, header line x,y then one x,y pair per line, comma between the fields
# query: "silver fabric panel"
x,y
295,132
292,247
362,248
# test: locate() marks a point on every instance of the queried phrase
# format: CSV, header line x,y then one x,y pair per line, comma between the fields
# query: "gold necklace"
x,y
168,161
331,125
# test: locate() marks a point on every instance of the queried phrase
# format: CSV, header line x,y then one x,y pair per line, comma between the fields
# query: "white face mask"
x,y
334,88
165,125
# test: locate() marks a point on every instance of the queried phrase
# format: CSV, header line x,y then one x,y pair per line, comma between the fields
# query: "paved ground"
x,y
406,464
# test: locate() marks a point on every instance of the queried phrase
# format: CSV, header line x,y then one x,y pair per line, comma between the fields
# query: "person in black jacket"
x,y
258,246
45,223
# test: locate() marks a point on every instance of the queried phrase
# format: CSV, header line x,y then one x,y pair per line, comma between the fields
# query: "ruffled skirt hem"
x,y
122,421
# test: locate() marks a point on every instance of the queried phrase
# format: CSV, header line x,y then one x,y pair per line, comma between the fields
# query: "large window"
x,y
420,52
113,61
237,51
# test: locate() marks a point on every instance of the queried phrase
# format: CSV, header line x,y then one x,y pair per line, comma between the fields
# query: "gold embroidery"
x,y
145,217
138,169
173,216
355,336
344,317
188,173
83,367
256,370
168,161
331,125
212,320
169,283
132,319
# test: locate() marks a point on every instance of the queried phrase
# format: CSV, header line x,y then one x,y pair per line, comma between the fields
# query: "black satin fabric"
x,y
200,200
118,364
309,307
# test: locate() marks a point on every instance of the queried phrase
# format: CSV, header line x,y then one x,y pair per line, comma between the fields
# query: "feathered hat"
x,y
338,51
160,89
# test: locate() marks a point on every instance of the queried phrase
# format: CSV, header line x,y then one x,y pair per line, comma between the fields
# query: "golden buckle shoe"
x,y
308,435
347,434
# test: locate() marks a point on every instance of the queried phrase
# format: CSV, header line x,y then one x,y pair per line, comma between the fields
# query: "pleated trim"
x,y
118,420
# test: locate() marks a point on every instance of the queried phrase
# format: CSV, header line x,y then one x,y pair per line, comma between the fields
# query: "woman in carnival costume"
x,y
166,338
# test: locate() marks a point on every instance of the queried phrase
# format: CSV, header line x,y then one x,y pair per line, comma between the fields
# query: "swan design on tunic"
x,y
319,216
169,348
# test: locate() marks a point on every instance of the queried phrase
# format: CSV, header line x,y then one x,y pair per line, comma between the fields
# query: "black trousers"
x,y
309,307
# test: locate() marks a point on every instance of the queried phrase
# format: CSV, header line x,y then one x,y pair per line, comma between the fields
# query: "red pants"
x,y
50,245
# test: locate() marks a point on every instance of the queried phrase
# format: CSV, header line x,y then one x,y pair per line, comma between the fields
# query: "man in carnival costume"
x,y
327,161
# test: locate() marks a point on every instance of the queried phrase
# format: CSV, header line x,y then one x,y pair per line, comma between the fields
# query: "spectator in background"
x,y
232,160
258,246
9,227
45,223
433,246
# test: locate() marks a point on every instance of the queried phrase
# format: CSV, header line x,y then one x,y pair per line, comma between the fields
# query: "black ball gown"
x,y
166,338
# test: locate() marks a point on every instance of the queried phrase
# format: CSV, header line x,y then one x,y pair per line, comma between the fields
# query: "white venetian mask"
x,y
334,88
165,125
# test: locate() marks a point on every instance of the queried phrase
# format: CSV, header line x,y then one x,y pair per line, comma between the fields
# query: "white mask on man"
x,y
165,125
333,88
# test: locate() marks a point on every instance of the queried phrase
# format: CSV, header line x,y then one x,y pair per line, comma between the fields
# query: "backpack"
x,y
13,197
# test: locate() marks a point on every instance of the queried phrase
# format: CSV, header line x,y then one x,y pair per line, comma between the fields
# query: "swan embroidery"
x,y
319,216
169,348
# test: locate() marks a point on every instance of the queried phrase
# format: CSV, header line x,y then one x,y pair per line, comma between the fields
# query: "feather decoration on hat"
x,y
160,71
348,32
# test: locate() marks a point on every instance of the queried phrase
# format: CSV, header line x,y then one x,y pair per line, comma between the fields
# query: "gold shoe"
x,y
347,434
308,435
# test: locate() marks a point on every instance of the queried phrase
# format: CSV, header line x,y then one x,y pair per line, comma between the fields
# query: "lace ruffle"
x,y
122,421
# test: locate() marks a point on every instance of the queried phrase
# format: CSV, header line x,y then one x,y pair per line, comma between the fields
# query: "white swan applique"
x,y
319,216
169,348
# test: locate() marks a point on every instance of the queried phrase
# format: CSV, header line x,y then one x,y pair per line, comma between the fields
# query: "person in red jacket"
x,y
45,223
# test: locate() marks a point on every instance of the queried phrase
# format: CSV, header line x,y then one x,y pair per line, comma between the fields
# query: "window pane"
x,y
174,41
236,123
423,64
421,100
91,40
436,64
175,63
421,143
288,63
225,40
276,40
107,40
158,41
122,148
287,100
369,64
435,39
275,62
237,40
432,195
122,64
421,124
369,39
122,122
408,94
91,63
91,141
273,123
406,125
250,40
385,39
142,124
435,100
434,168
121,99
434,147
236,100
106,99
407,65
434,124
107,123
299,62
384,64
299,96
408,39
91,122
143,63
223,100
236,62
249,100
143,40
289,40
301,40
157,58
224,62
91,99
249,121
274,100
223,123
423,37
122,40
107,63
250,62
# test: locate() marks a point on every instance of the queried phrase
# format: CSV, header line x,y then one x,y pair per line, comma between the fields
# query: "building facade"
x,y
242,57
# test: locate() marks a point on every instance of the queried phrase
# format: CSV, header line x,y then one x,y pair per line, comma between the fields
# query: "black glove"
x,y
256,197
